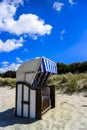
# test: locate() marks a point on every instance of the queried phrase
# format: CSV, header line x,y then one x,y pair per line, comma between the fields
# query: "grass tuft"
x,y
8,82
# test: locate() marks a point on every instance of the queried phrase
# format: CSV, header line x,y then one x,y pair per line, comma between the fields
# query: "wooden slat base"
x,y
46,110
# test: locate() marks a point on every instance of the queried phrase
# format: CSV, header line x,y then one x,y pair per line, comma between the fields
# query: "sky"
x,y
56,29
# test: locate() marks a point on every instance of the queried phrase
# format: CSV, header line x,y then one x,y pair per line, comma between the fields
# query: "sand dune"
x,y
70,113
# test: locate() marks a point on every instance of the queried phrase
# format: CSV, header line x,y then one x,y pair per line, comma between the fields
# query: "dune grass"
x,y
11,82
65,83
69,83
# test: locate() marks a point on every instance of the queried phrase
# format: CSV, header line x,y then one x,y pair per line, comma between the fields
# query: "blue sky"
x,y
35,28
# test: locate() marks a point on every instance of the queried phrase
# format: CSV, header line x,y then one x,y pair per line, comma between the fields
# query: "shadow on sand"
x,y
8,118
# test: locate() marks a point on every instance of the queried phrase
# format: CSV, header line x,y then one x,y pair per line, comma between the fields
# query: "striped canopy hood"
x,y
37,70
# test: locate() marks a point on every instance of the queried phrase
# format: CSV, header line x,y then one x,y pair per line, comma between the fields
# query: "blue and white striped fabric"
x,y
48,66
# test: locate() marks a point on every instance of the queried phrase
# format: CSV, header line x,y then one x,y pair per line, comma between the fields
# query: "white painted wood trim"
x,y
25,110
32,103
25,106
19,99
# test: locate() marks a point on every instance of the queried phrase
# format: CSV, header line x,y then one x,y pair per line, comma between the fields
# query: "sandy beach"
x,y
70,113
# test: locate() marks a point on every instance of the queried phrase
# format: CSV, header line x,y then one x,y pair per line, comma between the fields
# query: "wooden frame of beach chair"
x,y
33,96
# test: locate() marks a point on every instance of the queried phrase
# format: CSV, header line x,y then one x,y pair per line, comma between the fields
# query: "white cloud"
x,y
5,63
14,2
6,12
29,24
17,2
12,67
58,6
71,2
37,57
19,60
10,45
62,32
26,50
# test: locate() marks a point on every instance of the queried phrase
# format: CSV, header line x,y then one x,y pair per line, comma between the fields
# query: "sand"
x,y
70,113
